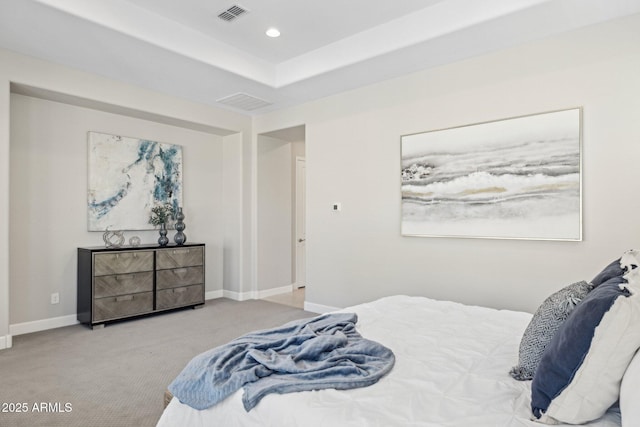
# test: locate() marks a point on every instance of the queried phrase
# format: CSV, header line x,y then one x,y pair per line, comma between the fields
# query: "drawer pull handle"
x,y
180,271
133,254
179,290
124,298
128,276
181,251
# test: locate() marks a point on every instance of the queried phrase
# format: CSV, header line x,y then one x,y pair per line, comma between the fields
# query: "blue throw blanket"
x,y
309,354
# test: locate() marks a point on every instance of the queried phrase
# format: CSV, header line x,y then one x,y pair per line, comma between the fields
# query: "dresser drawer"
x,y
120,284
177,277
179,257
178,297
122,306
122,262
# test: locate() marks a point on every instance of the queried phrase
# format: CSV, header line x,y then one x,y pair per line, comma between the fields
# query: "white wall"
x,y
232,200
48,196
77,87
5,337
353,157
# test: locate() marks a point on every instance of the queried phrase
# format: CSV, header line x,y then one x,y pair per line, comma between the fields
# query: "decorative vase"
x,y
163,239
180,237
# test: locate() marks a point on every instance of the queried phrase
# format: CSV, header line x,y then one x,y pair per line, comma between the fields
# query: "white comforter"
x,y
451,370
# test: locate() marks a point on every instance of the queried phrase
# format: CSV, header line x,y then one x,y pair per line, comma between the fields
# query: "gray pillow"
x,y
543,326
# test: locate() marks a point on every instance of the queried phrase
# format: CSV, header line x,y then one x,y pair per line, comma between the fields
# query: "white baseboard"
x,y
238,296
308,306
245,296
5,342
214,294
42,325
318,308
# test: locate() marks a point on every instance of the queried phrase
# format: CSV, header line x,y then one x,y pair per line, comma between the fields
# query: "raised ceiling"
x,y
182,48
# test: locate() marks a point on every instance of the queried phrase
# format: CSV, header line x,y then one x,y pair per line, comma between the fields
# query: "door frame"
x,y
300,193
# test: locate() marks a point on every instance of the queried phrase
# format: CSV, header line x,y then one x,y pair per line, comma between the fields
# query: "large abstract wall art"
x,y
518,178
129,176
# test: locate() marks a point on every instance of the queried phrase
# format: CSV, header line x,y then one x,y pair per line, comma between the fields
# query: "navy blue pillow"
x,y
579,375
617,268
610,271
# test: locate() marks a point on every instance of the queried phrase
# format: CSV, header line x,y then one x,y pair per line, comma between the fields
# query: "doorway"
x,y
281,216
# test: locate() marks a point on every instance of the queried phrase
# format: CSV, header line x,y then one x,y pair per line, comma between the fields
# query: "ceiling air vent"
x,y
243,101
232,13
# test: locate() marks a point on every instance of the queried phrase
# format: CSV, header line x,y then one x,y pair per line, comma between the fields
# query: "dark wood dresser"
x,y
120,283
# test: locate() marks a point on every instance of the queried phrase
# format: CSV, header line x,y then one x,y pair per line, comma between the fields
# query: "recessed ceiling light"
x,y
273,32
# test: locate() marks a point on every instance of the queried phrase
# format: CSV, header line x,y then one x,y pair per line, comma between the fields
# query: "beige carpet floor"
x,y
116,376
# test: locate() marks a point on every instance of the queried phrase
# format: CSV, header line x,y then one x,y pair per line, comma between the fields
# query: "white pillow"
x,y
630,394
580,373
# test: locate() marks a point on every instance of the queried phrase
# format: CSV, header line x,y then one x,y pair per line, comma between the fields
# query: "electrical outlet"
x,y
55,298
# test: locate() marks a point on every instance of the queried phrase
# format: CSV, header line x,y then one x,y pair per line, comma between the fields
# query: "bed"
x,y
451,370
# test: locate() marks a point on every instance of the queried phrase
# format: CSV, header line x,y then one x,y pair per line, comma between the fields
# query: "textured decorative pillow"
x,y
543,326
579,375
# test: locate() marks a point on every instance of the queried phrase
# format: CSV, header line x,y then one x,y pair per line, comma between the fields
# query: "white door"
x,y
301,235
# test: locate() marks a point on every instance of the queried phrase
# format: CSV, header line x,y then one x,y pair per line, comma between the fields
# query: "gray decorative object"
x,y
134,241
113,239
163,240
545,323
180,238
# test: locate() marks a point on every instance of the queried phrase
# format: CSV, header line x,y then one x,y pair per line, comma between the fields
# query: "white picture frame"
x,y
516,178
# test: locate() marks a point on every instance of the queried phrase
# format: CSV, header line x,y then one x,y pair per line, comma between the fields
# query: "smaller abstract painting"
x,y
517,178
129,176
